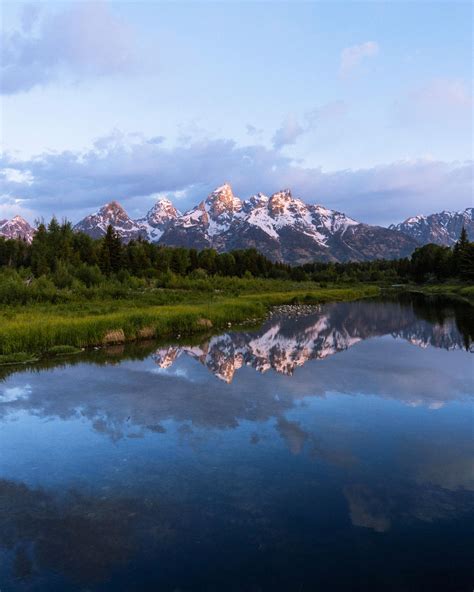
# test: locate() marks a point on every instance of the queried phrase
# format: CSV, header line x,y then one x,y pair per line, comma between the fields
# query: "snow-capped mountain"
x,y
206,224
158,219
95,225
443,228
284,344
283,228
17,227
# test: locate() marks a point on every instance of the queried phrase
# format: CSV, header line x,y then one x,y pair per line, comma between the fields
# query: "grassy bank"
x,y
36,328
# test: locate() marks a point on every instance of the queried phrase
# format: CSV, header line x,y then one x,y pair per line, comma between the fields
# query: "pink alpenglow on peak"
x,y
282,227
17,227
95,225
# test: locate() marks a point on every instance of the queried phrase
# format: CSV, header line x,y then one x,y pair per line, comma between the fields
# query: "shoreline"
x,y
32,333
35,333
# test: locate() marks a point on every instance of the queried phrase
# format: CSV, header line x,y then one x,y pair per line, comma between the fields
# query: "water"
x,y
328,452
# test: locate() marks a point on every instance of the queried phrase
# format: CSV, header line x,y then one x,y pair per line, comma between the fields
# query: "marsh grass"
x,y
63,350
17,358
39,328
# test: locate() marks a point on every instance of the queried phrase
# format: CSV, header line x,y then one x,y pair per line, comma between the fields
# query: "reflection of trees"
x,y
439,309
465,322
101,357
280,344
284,344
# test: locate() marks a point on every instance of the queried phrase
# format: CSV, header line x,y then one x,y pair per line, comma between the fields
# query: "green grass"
x,y
17,358
63,350
40,327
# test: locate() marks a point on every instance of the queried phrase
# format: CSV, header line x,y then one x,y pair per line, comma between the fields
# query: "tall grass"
x,y
36,328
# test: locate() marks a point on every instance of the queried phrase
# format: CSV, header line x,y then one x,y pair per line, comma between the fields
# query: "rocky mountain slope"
x,y
95,225
157,220
280,226
17,227
283,228
443,228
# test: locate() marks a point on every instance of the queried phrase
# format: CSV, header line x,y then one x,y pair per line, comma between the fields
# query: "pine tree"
x,y
458,249
111,252
466,262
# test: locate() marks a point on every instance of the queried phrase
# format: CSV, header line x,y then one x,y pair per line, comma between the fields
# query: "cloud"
x,y
82,41
293,434
367,509
288,133
134,168
252,130
444,92
439,101
352,56
291,129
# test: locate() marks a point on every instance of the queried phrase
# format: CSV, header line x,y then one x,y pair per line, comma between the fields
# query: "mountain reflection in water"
x,y
136,469
284,343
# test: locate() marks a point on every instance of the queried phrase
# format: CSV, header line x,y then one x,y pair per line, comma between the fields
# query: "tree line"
x,y
66,257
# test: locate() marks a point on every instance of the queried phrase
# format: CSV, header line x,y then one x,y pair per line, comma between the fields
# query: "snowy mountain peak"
x,y
163,211
259,200
112,208
282,227
279,201
112,214
284,194
222,201
443,228
158,219
17,227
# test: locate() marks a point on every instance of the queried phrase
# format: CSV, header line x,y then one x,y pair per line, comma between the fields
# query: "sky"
x,y
364,107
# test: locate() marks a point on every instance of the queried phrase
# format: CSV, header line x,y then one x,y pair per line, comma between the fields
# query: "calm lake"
x,y
329,451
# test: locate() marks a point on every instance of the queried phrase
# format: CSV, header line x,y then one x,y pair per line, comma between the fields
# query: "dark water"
x,y
328,452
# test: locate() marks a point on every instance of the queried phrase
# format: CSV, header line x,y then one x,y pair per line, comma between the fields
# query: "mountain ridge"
x,y
442,228
282,227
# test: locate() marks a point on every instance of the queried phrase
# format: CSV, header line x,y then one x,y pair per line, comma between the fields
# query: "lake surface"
x,y
331,451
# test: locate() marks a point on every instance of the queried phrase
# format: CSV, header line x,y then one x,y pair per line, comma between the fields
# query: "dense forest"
x,y
59,258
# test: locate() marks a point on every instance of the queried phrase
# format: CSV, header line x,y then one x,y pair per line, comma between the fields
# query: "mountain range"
x,y
280,226
443,228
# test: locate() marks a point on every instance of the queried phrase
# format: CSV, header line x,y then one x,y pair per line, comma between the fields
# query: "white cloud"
x,y
291,129
288,133
132,169
444,92
15,393
86,39
352,56
439,103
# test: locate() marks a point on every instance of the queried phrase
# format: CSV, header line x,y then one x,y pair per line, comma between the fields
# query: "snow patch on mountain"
x,y
17,227
443,228
158,219
111,214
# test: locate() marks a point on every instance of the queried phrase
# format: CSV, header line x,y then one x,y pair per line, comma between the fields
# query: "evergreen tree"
x,y
110,259
460,245
466,262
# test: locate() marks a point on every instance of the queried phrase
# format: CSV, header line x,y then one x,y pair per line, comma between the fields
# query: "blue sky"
x,y
363,107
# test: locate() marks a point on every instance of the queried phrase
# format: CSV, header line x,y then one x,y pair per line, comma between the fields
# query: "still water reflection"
x,y
332,451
